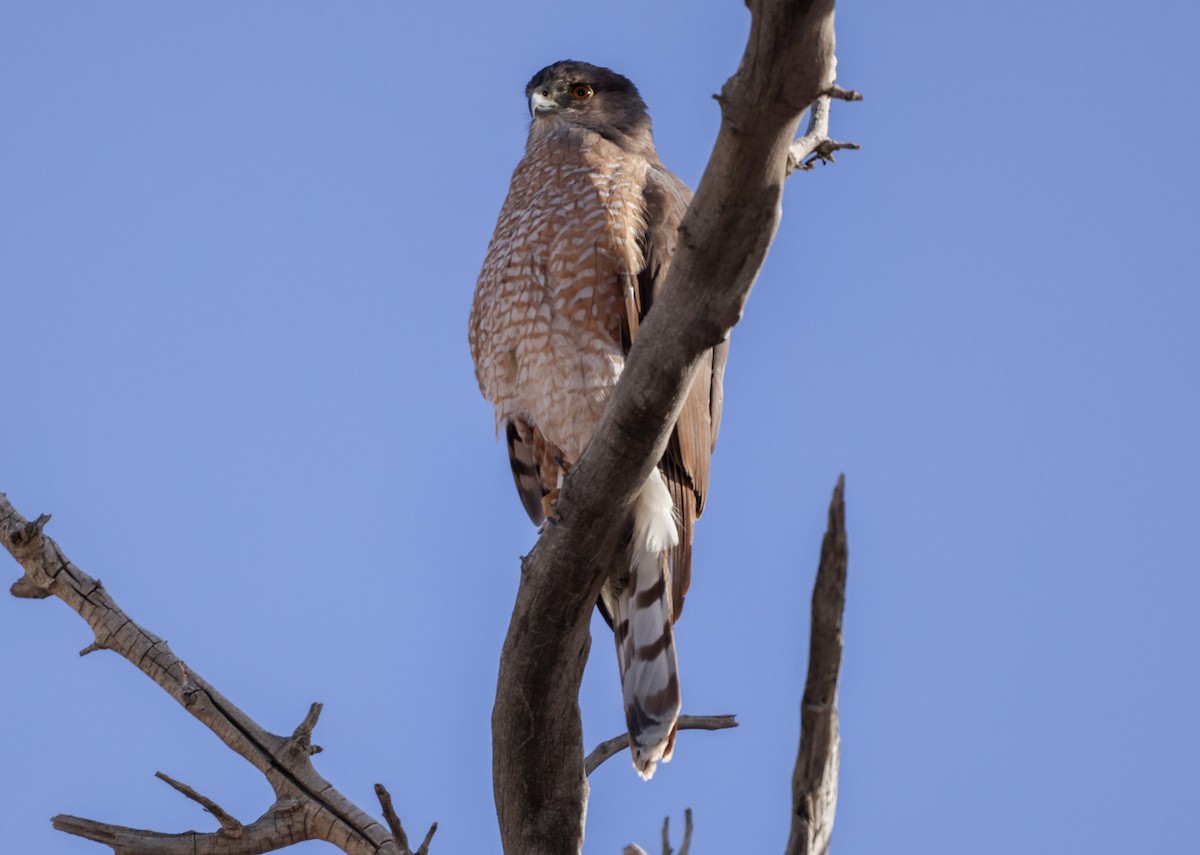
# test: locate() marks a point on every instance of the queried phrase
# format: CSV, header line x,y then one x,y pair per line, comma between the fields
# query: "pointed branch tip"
x,y
393,821
397,828
423,849
302,735
687,832
310,720
229,825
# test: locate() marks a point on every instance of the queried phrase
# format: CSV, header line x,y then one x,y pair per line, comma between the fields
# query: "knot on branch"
x,y
285,805
25,542
31,531
189,689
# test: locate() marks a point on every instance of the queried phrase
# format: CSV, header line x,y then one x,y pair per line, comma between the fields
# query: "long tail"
x,y
642,623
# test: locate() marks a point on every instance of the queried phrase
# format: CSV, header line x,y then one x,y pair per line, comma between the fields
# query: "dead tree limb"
x,y
538,772
684,847
306,806
611,747
815,780
816,145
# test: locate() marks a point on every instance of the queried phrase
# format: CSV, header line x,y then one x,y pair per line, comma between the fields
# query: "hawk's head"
x,y
588,96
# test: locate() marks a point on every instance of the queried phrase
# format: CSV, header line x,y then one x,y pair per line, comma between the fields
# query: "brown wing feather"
x,y
685,465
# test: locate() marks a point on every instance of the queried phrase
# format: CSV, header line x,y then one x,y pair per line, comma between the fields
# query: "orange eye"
x,y
581,92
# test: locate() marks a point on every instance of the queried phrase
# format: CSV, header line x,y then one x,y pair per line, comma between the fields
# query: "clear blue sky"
x,y
238,244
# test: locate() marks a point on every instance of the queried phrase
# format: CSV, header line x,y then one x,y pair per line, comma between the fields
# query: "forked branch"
x,y
306,806
684,847
816,145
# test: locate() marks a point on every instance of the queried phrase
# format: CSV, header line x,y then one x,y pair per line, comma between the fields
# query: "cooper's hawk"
x,y
583,242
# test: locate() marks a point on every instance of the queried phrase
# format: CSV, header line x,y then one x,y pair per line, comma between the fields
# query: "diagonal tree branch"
x,y
306,806
815,780
229,825
538,773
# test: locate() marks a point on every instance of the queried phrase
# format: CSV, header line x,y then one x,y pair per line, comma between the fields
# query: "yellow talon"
x,y
548,501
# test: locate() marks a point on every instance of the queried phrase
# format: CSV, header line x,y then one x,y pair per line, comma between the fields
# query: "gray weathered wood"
x,y
306,806
815,779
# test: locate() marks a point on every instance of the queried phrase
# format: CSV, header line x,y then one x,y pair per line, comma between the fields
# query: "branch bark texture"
x,y
538,772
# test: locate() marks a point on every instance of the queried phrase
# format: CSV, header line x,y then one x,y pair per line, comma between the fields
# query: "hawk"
x,y
582,244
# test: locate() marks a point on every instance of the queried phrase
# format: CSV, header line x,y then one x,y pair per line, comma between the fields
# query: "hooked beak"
x,y
541,105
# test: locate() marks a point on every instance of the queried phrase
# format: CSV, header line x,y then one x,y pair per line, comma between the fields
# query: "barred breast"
x,y
545,328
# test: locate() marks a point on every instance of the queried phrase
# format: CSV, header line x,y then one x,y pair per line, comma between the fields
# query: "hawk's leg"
x,y
549,500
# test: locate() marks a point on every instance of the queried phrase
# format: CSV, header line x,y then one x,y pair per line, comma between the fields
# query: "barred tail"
x,y
645,642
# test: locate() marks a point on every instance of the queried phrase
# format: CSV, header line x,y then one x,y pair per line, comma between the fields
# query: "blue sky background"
x,y
238,243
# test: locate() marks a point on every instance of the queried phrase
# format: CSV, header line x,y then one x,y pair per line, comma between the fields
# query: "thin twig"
x,y
302,735
230,826
816,145
634,849
393,821
423,849
611,747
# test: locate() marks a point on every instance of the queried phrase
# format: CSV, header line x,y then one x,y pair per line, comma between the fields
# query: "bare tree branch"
x,y
816,144
686,843
393,821
611,747
229,826
538,772
306,806
276,829
814,782
684,847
